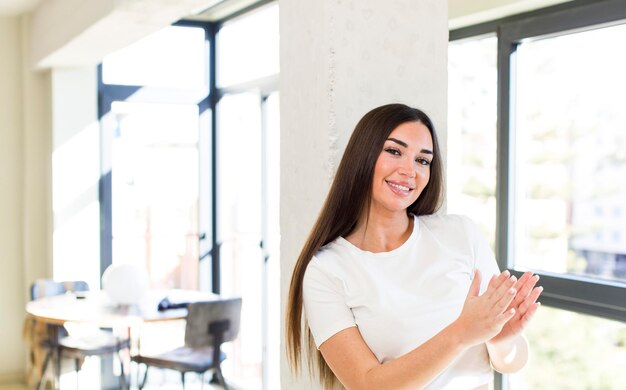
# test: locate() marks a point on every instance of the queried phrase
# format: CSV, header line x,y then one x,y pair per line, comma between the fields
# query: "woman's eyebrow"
x,y
404,144
401,143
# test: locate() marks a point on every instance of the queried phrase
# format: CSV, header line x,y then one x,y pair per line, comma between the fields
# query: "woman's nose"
x,y
408,168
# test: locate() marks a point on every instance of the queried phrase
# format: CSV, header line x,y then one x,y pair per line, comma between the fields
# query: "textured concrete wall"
x,y
339,59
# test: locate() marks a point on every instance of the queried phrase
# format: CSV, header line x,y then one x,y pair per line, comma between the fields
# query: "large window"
x,y
153,125
560,193
570,142
471,168
190,131
247,189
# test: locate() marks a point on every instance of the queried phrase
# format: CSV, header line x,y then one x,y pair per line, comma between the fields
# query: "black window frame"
x,y
108,93
585,295
582,294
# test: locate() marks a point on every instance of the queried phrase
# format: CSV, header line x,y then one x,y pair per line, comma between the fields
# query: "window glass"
x,y
155,191
240,224
573,351
471,155
172,57
247,48
570,196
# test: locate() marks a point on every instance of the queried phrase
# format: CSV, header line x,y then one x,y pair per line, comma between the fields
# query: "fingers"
x,y
526,310
504,296
524,286
496,281
525,306
529,314
503,318
526,283
522,282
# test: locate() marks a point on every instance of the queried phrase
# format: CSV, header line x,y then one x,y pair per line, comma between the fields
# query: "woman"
x,y
392,294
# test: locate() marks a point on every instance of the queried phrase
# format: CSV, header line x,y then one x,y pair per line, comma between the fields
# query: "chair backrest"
x,y
204,315
47,287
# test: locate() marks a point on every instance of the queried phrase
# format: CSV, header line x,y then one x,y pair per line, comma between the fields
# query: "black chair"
x,y
209,324
59,344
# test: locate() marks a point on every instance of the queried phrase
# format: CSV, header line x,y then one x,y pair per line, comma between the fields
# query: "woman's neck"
x,y
381,233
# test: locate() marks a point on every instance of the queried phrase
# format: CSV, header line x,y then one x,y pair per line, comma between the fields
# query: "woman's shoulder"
x,y
446,220
330,263
330,255
449,224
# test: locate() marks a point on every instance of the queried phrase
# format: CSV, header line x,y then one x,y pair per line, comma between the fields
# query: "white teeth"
x,y
401,188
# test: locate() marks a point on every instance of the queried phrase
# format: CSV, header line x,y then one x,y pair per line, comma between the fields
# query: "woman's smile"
x,y
402,189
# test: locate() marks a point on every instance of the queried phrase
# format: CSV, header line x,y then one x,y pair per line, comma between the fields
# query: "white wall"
x,y
75,174
37,171
11,202
24,190
339,60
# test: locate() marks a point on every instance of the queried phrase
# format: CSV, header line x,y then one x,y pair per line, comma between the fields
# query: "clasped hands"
x,y
502,311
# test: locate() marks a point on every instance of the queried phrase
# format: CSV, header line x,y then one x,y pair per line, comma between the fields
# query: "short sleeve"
x,y
324,304
484,259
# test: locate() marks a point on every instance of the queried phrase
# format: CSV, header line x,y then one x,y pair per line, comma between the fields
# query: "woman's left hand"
x,y
525,305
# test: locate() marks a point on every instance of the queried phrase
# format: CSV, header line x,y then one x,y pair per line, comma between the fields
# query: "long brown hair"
x,y
347,201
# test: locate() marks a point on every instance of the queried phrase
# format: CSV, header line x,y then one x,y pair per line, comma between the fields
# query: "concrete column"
x,y
339,59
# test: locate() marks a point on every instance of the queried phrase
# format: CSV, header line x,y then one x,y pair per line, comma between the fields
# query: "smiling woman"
x,y
392,295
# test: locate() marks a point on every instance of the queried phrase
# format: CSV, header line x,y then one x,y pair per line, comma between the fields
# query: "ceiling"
x,y
16,7
219,9
461,12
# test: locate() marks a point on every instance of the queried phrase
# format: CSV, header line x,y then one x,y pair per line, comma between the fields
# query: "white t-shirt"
x,y
402,298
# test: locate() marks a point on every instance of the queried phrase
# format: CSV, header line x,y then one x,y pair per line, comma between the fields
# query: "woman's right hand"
x,y
483,316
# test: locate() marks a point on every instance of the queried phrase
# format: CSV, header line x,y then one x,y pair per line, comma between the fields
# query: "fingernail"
x,y
512,291
506,272
512,311
513,278
540,288
536,277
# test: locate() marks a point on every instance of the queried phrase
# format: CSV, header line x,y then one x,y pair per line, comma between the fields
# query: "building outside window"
x,y
559,197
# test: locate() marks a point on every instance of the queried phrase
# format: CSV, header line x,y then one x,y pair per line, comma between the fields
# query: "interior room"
x,y
185,148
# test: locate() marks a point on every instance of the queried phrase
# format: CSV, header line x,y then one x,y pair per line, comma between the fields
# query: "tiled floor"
x,y
155,386
155,381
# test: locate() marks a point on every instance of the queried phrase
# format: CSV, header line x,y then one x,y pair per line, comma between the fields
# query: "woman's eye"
x,y
422,161
393,151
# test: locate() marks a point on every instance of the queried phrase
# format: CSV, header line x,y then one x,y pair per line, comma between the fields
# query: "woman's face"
x,y
402,169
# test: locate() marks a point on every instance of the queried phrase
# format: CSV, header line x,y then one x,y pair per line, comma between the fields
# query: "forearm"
x,y
481,319
419,367
509,356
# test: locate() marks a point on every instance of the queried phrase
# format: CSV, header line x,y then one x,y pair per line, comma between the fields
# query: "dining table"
x,y
97,309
